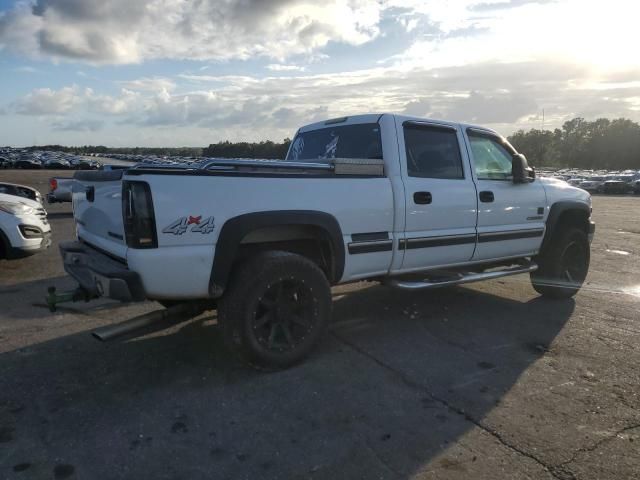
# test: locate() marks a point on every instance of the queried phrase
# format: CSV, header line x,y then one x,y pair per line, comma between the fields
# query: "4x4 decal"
x,y
197,224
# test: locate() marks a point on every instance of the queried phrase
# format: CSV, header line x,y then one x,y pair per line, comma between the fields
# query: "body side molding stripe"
x,y
446,241
510,235
427,242
369,236
370,246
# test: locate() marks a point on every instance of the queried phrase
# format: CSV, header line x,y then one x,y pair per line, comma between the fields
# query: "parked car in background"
x,y
57,163
575,181
5,162
28,162
24,228
60,190
81,163
21,191
618,184
593,184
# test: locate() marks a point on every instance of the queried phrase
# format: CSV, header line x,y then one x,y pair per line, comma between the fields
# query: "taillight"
x,y
53,184
137,213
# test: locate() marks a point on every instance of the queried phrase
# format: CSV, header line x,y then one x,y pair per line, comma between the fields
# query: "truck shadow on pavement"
x,y
401,378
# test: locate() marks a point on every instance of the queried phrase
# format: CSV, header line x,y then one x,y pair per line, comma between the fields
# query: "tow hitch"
x,y
169,316
77,295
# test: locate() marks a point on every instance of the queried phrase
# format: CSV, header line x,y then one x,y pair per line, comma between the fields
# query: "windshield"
x,y
347,141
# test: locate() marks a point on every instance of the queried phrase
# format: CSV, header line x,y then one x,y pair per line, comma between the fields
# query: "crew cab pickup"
x,y
409,202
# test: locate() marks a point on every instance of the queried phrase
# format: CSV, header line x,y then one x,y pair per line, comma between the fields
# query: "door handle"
x,y
486,197
422,198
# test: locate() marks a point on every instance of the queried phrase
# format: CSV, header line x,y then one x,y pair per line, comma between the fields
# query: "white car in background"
x,y
593,184
24,228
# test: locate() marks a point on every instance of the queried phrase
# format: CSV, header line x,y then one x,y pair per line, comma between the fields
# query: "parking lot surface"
x,y
483,381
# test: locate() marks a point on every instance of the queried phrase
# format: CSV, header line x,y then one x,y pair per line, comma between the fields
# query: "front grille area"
x,y
42,214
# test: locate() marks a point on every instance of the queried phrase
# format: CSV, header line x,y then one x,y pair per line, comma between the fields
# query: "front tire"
x,y
563,267
275,309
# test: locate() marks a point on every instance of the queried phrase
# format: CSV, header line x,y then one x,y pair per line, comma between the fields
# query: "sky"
x,y
195,72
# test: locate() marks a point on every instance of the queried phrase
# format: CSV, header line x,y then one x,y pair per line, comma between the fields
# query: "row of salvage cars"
x,y
24,227
32,160
603,182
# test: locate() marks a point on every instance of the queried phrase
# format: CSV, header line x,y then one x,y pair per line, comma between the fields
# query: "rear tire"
x,y
563,267
275,309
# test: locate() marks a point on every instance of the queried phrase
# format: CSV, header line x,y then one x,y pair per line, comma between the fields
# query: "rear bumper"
x,y
99,274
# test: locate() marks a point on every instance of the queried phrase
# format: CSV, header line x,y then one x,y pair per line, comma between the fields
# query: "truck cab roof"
x,y
375,117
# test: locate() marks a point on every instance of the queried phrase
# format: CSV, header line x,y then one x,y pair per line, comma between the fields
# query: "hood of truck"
x,y
558,190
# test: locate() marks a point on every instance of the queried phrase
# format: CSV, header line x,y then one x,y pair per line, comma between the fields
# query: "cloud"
x,y
44,101
277,67
504,5
77,125
503,95
494,108
123,103
149,84
417,108
125,31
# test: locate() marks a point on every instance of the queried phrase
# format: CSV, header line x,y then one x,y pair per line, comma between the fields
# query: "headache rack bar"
x,y
251,163
336,166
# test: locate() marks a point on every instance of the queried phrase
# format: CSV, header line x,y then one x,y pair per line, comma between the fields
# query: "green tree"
x,y
600,144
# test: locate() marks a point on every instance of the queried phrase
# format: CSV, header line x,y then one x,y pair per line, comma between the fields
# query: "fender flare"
x,y
556,211
236,228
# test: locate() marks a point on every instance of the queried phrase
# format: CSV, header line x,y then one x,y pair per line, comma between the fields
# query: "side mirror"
x,y
521,171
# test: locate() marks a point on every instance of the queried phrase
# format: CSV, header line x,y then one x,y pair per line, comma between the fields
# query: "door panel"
x,y
511,217
441,198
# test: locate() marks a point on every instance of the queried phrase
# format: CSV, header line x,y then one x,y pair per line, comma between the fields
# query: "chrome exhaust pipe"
x,y
175,314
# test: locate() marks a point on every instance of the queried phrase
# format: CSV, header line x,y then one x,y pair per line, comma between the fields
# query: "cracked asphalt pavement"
x,y
482,381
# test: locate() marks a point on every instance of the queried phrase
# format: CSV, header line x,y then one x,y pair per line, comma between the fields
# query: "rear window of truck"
x,y
348,141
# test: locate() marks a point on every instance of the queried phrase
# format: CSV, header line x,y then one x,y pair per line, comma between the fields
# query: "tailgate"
x,y
97,209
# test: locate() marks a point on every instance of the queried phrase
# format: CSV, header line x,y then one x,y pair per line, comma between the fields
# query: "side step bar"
x,y
461,278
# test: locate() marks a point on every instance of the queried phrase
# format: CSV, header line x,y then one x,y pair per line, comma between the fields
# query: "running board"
x,y
467,277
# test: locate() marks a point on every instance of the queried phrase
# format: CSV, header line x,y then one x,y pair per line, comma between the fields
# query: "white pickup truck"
x,y
409,202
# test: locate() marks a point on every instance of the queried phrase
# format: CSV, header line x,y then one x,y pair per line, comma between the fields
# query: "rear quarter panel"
x,y
360,205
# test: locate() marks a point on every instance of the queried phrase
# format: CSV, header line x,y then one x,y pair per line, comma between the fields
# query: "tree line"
x,y
599,144
86,149
265,149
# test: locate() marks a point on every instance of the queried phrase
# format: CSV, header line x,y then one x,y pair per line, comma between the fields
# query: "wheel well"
x,y
310,241
314,234
566,215
574,218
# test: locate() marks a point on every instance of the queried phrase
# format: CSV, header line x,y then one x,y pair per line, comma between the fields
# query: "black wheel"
x,y
275,309
563,267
